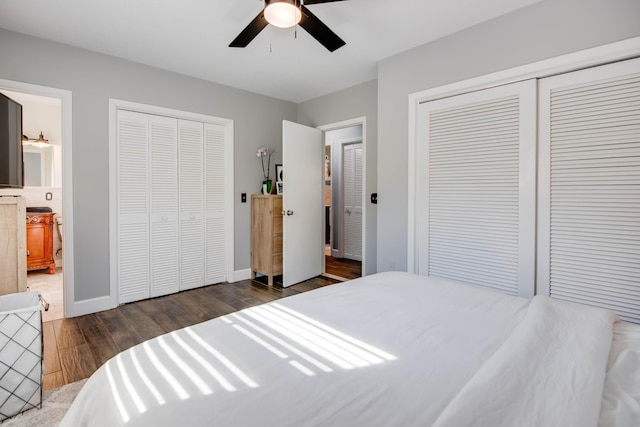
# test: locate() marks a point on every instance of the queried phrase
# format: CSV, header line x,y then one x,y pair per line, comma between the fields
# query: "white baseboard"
x,y
241,275
93,305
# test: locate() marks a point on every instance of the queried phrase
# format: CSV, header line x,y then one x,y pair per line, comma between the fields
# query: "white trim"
x,y
70,308
592,57
92,305
344,124
117,104
229,183
612,52
239,275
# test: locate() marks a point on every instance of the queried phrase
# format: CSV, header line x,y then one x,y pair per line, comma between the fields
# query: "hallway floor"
x,y
50,288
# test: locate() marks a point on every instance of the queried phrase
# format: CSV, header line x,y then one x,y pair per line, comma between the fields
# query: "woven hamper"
x,y
20,353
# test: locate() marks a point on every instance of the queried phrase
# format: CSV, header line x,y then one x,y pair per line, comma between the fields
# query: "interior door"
x,y
352,200
303,202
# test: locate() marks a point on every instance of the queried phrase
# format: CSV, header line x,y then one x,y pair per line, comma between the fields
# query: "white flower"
x,y
262,152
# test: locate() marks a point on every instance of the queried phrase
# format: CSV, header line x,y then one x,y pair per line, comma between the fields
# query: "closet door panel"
x,y
215,185
475,189
352,214
132,209
191,199
589,208
164,205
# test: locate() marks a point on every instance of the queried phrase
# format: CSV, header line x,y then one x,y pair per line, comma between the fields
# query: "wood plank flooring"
x,y
75,348
343,267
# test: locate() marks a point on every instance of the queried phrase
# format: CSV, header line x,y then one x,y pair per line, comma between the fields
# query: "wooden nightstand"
x,y
266,236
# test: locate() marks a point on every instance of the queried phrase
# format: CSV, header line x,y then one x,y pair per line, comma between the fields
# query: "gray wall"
x,y
544,30
358,101
94,78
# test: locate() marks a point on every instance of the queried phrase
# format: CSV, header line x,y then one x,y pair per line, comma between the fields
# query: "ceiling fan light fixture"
x,y
283,13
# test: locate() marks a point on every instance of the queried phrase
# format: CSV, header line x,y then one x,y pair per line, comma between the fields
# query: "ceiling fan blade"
x,y
306,2
314,26
250,32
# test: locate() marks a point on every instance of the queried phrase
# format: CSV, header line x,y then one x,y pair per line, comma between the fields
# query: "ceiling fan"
x,y
285,14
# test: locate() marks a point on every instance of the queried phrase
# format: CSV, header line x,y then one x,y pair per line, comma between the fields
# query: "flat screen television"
x,y
11,163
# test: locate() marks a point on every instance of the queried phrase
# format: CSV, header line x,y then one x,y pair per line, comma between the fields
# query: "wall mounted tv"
x,y
11,163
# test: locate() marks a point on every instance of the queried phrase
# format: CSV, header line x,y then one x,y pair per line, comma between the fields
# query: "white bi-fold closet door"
x,y
480,218
475,188
589,204
352,158
170,205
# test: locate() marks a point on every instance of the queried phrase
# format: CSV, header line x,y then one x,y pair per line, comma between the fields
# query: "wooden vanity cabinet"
x,y
40,242
266,236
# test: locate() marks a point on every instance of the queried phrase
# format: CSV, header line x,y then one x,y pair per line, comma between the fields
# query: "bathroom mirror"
x,y
38,166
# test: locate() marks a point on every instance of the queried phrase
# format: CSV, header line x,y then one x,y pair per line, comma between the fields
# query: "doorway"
x,y
46,129
344,196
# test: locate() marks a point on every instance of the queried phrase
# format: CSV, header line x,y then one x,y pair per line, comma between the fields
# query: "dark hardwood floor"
x,y
74,348
343,267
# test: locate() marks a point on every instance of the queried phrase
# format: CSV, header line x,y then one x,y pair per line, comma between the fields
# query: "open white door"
x,y
303,202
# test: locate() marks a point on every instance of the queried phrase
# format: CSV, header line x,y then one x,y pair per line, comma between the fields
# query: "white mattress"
x,y
391,349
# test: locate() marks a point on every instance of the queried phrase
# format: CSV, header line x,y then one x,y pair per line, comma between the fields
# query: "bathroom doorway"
x,y
42,125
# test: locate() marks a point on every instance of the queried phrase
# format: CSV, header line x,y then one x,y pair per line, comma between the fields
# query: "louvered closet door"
x,y
164,205
475,189
215,185
352,193
589,231
191,198
132,199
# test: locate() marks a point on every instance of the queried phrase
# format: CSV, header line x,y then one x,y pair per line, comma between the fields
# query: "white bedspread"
x,y
391,349
549,372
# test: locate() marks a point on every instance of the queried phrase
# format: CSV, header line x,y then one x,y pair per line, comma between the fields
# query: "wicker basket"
x,y
20,353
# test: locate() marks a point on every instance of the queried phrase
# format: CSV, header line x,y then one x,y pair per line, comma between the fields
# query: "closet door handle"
x,y
289,213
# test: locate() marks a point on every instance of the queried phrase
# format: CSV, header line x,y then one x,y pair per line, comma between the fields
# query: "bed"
x,y
391,349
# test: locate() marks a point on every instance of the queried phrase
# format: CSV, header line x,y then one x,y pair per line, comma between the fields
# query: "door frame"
x,y
71,307
362,121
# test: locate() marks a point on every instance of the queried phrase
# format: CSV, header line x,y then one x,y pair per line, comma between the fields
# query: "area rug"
x,y
55,404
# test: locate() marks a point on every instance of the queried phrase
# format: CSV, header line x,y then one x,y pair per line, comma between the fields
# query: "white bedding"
x,y
391,349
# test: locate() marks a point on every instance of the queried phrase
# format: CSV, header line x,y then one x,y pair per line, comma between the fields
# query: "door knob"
x,y
289,213
348,212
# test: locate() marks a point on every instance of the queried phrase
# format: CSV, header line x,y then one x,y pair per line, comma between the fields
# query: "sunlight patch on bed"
x,y
145,378
180,363
298,335
299,366
116,395
222,359
129,387
284,344
203,362
337,333
262,342
166,374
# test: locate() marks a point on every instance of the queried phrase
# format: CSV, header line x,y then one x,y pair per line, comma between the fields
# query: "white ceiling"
x,y
192,36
